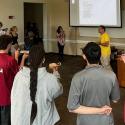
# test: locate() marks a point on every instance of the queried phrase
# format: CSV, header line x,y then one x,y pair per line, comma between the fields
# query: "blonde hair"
x,y
13,28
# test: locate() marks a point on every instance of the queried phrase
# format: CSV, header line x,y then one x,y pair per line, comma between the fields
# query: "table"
x,y
121,72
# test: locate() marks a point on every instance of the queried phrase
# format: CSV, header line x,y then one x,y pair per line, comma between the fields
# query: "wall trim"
x,y
83,41
79,41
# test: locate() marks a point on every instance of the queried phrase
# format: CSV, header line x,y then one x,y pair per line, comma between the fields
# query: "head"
x,y
30,34
34,25
31,25
92,53
36,56
59,29
36,59
5,42
13,29
101,29
1,24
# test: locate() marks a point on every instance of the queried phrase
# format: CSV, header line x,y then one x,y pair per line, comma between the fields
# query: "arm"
x,y
16,55
57,35
115,92
64,35
105,40
56,88
10,74
92,110
54,67
74,105
74,94
106,44
25,56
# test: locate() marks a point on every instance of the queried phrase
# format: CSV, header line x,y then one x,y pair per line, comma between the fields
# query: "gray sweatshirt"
x,y
48,88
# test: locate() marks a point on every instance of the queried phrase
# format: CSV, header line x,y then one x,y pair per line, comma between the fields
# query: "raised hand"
x,y
54,66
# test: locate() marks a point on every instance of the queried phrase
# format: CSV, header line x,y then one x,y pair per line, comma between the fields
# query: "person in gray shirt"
x,y
93,87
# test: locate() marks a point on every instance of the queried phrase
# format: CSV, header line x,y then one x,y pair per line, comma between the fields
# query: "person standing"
x,y
2,31
8,70
13,33
61,42
34,91
29,41
94,86
104,41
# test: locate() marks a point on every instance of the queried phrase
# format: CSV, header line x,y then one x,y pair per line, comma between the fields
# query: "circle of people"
x,y
28,90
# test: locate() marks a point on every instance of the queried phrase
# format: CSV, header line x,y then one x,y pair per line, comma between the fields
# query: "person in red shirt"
x,y
8,70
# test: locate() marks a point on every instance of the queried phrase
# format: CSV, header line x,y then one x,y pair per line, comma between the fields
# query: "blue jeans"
x,y
5,115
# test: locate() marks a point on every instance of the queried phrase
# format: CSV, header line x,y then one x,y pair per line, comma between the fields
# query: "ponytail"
x,y
33,89
36,56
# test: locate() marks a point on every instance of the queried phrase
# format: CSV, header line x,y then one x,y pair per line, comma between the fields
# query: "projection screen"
x,y
95,13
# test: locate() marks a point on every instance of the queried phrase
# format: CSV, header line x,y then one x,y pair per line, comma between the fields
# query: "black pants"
x,y
61,54
4,115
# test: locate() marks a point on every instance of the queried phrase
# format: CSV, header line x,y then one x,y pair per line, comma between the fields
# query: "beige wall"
x,y
56,12
59,15
15,8
34,13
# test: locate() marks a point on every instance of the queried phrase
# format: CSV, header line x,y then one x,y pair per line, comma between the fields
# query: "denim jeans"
x,y
4,115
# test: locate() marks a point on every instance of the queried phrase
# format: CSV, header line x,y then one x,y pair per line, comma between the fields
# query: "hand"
x,y
54,66
106,110
106,44
25,56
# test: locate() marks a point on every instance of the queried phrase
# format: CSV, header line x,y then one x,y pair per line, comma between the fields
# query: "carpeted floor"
x,y
69,67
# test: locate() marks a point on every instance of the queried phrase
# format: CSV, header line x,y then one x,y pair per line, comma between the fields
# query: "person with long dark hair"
x,y
61,42
34,91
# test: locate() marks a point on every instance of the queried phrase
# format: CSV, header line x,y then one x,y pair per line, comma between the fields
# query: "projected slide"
x,y
95,13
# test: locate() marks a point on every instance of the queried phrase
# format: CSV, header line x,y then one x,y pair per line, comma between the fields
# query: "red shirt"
x,y
8,70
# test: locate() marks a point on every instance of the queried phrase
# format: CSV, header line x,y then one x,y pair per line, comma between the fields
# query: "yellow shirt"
x,y
105,50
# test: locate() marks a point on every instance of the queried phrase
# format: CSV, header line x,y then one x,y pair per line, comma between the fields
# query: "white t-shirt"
x,y
48,88
2,32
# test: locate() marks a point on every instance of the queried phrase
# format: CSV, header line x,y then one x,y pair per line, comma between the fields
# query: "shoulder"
x,y
106,34
10,59
13,62
80,75
17,76
19,73
50,77
57,34
22,75
108,74
42,72
49,80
